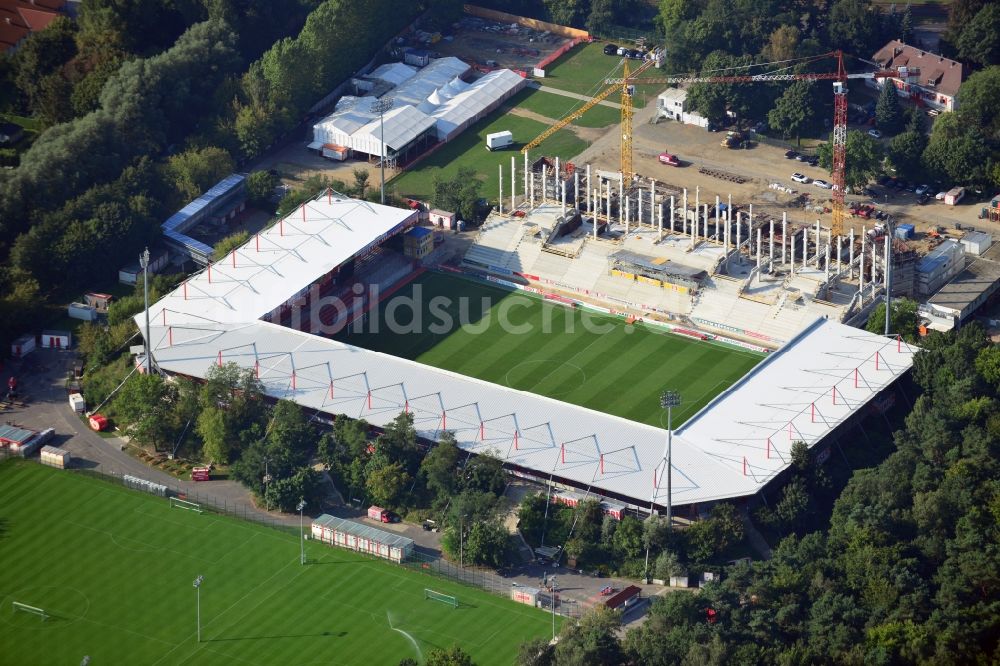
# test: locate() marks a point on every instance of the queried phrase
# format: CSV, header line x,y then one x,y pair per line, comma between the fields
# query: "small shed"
x,y
442,218
55,457
525,595
624,599
77,403
976,242
362,538
82,311
57,339
100,302
23,346
332,151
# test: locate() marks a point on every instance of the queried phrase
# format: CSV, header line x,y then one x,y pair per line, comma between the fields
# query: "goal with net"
x,y
184,504
25,608
443,598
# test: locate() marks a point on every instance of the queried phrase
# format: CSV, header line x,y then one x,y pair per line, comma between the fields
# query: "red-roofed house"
x,y
20,18
924,77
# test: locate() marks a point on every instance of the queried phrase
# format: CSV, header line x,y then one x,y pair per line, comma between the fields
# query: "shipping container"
x,y
55,457
498,140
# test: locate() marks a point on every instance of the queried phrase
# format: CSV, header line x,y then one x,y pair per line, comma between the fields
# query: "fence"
x,y
418,561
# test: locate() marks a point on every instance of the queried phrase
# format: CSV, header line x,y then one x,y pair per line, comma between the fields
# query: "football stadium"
x,y
354,308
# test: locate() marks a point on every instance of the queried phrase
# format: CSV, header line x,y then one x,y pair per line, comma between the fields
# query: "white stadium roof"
x,y
731,448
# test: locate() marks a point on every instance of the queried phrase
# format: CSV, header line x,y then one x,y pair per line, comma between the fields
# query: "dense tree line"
x,y
907,572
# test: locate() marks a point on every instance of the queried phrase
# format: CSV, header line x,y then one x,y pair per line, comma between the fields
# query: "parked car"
x,y
823,184
922,190
800,178
621,51
923,198
610,49
813,161
669,159
933,112
874,133
790,154
940,196
902,184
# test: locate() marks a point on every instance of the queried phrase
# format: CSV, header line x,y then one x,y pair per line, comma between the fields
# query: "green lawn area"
x,y
114,568
30,124
584,68
552,105
579,357
469,150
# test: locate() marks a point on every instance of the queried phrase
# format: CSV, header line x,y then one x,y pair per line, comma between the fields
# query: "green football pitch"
x,y
578,356
114,570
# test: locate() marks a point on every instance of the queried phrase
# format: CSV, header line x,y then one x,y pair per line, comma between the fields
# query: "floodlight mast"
x,y
302,536
197,589
669,400
144,263
380,106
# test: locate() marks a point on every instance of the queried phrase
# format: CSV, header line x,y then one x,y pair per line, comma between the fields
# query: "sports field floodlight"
x,y
197,591
380,106
302,537
144,263
669,400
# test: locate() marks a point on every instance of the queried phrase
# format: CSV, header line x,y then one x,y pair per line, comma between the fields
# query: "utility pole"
x,y
144,262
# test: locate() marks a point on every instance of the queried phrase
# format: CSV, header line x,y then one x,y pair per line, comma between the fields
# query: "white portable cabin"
x,y
362,538
23,346
55,457
57,339
498,140
976,242
82,311
954,195
442,218
77,403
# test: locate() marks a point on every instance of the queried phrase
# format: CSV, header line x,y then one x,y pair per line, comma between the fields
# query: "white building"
x,y
428,105
670,104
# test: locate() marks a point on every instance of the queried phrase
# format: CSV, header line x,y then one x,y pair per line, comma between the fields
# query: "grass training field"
x,y
555,106
584,68
577,356
114,569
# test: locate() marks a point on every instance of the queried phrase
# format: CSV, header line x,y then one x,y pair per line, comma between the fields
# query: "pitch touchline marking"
x,y
235,603
151,548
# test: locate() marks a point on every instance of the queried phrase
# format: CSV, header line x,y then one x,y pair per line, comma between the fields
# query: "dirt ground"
x,y
520,51
761,166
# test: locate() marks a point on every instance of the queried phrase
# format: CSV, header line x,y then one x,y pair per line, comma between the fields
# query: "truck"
x,y
380,514
669,159
201,473
499,140
954,195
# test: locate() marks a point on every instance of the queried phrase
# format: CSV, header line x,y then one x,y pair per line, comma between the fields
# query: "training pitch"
x,y
113,569
577,356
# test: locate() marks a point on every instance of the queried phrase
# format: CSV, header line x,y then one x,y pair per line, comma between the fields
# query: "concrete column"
x,y
557,176
671,214
638,215
697,206
500,196
705,227
839,246
563,184
784,237
609,203
531,185
739,232
594,218
850,254
829,238
545,192
826,266
805,245
526,176
513,184
718,215
725,234
590,189
861,262
652,201
684,213
758,247
627,211
576,189
817,244
770,245
792,264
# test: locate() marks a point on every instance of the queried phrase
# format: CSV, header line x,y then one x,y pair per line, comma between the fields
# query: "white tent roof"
x,y
475,98
731,448
402,125
279,261
393,72
432,77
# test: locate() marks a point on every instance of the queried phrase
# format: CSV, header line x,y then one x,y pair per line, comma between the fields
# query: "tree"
x,y
535,652
565,12
601,17
484,473
592,641
41,55
488,543
888,112
453,656
260,187
904,152
194,171
360,182
958,151
386,484
979,40
667,565
628,537
440,466
902,320
863,157
988,364
979,103
531,517
290,434
142,403
231,242
795,111
212,429
852,26
460,194
284,493
783,43
906,26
